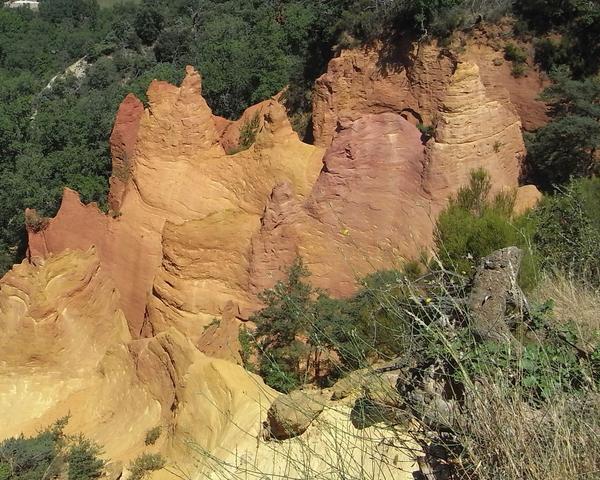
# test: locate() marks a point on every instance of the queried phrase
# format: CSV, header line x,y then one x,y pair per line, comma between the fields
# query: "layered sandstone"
x,y
179,172
411,79
194,233
380,191
67,351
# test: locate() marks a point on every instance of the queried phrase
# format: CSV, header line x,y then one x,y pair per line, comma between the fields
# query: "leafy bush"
x,y
518,57
145,464
474,225
518,69
568,230
514,53
578,23
550,53
300,327
148,24
49,454
30,458
83,460
152,435
248,134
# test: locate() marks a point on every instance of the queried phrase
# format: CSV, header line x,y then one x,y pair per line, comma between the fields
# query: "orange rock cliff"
x,y
195,233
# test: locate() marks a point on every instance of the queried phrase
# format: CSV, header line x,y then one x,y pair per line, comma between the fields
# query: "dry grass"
x,y
505,438
574,303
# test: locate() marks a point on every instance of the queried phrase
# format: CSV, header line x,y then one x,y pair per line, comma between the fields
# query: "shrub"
x,y
514,53
248,134
30,458
550,53
148,24
303,335
568,230
145,464
518,57
279,326
49,454
83,460
35,222
474,225
153,435
427,131
518,69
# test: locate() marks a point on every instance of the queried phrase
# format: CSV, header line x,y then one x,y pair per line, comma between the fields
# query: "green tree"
x,y
148,24
568,230
83,460
568,145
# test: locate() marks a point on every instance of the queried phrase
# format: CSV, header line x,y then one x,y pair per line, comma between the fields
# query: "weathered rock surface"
x,y
290,415
528,196
194,230
472,131
380,191
67,350
494,292
177,193
411,79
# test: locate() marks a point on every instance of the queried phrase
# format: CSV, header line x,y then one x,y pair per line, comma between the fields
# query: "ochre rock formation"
x,y
380,191
179,182
472,131
411,79
367,210
407,80
194,233
67,351
112,316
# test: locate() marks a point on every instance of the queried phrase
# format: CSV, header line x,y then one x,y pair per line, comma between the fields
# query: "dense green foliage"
x,y
568,230
50,454
300,325
475,224
568,145
576,24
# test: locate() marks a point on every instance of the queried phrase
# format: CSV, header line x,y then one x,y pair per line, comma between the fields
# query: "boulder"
x,y
494,290
290,415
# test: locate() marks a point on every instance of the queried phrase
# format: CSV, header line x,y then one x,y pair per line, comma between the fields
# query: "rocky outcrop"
x,y
472,131
180,185
367,208
67,351
195,232
111,313
495,291
380,191
290,415
411,79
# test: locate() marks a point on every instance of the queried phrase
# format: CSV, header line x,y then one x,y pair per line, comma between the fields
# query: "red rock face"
x,y
122,147
368,210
